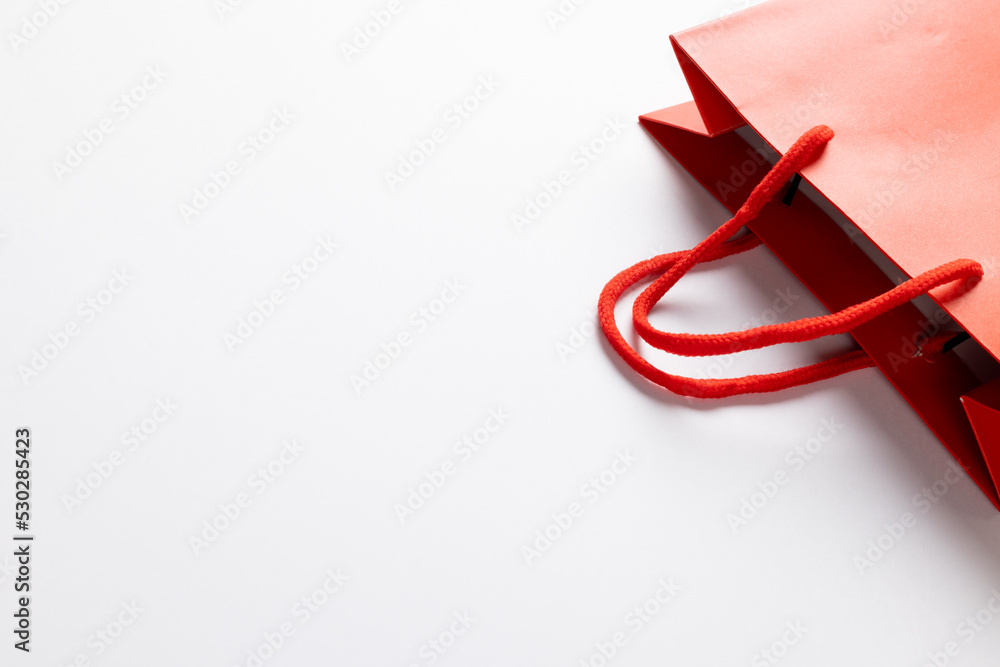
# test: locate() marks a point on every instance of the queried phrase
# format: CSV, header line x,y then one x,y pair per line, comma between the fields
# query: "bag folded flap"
x,y
982,405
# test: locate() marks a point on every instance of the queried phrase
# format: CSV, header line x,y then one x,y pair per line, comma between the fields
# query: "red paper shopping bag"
x,y
897,199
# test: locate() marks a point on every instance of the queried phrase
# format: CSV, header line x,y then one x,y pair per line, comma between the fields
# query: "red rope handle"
x,y
673,266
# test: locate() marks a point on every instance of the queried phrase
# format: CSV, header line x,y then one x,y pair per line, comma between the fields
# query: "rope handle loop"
x,y
671,267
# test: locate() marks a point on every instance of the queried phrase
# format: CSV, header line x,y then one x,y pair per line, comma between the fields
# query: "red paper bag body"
x,y
909,183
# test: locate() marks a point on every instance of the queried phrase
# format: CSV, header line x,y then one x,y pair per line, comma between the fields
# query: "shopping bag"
x,y
882,202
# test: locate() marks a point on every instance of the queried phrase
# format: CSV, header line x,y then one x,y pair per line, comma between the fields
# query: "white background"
x,y
527,297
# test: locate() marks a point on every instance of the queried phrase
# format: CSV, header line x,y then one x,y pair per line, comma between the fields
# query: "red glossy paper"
x,y
913,98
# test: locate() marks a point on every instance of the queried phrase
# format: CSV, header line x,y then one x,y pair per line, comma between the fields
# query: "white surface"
x,y
495,346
